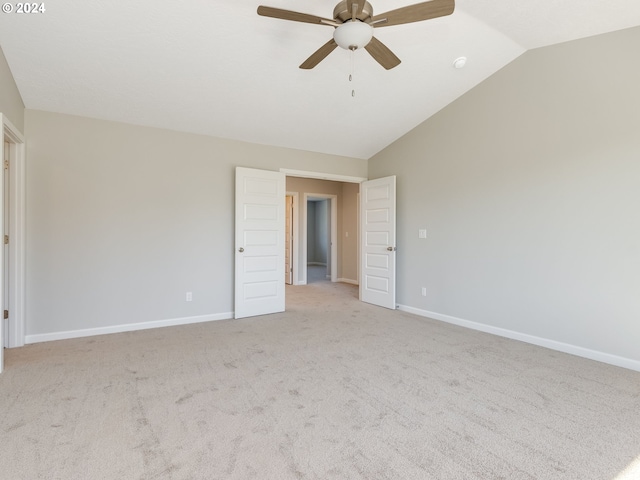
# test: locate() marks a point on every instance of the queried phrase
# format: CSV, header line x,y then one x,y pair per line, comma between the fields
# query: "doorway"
x,y
340,196
372,232
318,240
320,235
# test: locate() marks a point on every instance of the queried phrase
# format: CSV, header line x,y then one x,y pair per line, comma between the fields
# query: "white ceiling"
x,y
215,67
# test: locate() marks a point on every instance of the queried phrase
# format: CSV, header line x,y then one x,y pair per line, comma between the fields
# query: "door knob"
x,y
241,249
390,249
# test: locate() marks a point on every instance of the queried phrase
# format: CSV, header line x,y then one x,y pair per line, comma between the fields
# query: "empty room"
x,y
320,240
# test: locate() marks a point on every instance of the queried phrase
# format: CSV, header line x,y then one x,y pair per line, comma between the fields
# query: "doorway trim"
x,y
17,249
322,176
334,232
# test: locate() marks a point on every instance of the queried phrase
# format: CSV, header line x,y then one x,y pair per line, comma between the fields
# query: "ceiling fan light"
x,y
352,35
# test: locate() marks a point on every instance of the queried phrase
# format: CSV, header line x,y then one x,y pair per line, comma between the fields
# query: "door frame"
x,y
322,176
334,232
17,247
299,279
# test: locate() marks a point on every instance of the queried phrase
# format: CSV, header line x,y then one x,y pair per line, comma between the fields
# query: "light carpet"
x,y
330,389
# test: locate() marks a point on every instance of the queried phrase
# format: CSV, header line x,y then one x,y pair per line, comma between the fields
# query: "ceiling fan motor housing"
x,y
342,13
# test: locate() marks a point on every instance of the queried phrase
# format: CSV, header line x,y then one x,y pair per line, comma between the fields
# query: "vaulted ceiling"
x,y
217,68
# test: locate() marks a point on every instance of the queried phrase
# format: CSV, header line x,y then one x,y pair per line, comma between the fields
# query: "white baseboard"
x,y
348,280
128,327
523,337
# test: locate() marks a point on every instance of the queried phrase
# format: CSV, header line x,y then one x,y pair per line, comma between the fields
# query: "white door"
x,y
5,256
259,281
378,242
3,253
288,235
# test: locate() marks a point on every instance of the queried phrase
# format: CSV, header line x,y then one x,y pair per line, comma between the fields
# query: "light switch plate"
x,y
422,233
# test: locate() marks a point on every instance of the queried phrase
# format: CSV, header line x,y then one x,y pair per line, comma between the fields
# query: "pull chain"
x,y
353,91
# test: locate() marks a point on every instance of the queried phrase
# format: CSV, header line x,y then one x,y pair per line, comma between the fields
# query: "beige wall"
x,y
347,194
529,188
10,100
123,220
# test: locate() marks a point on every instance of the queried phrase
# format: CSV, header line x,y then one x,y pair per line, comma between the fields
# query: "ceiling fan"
x,y
354,22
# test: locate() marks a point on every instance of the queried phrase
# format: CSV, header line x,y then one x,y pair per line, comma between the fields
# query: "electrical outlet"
x,y
424,291
189,296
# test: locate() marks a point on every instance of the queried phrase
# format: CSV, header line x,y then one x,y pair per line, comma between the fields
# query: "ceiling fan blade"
x,y
414,13
381,54
294,16
319,55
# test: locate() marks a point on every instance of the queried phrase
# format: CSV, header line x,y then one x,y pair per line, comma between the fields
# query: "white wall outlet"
x,y
424,291
422,233
189,296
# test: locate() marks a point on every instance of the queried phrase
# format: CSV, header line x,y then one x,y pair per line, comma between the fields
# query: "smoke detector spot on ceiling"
x,y
460,62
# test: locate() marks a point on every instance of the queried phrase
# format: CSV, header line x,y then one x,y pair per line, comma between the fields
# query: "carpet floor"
x,y
330,389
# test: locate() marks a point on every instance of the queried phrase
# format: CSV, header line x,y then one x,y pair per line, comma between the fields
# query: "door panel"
x,y
4,258
260,246
378,241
